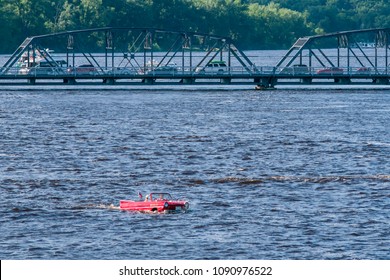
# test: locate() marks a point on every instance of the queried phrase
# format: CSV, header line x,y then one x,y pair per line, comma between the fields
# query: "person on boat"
x,y
147,198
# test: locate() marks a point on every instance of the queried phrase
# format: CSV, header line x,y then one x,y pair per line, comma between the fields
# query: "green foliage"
x,y
254,24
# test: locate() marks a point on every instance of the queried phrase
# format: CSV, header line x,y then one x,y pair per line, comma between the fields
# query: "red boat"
x,y
155,202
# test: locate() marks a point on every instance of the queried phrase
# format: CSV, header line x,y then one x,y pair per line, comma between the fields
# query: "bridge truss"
x,y
344,56
142,54
148,55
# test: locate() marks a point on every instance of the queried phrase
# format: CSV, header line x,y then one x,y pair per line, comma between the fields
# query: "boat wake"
x,y
96,206
109,207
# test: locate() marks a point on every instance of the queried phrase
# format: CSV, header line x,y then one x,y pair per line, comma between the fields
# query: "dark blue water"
x,y
269,175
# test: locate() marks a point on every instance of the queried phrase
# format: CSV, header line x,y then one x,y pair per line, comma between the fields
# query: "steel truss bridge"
x,y
153,56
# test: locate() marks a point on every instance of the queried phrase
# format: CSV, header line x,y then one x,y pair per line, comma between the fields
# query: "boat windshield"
x,y
160,196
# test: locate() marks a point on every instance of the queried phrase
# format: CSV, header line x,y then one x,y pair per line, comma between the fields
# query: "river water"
x,y
286,174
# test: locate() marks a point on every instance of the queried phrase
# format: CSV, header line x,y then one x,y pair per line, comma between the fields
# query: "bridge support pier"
x,y
268,82
188,81
226,80
148,81
380,81
343,81
306,81
70,81
109,81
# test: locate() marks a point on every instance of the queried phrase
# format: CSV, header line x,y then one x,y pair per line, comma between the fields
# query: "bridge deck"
x,y
267,78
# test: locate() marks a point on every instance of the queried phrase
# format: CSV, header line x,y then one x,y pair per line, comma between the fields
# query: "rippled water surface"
x,y
269,175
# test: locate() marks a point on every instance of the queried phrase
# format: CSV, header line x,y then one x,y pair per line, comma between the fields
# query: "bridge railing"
x,y
355,71
89,71
94,72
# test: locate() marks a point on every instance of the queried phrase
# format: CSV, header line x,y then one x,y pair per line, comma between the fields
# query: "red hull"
x,y
154,204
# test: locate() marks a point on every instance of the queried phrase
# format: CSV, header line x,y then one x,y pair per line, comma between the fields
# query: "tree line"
x,y
254,24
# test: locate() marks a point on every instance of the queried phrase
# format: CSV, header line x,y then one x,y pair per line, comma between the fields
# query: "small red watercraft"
x,y
154,202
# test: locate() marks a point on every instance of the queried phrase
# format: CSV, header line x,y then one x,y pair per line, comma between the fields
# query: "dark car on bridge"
x,y
84,69
297,69
165,70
